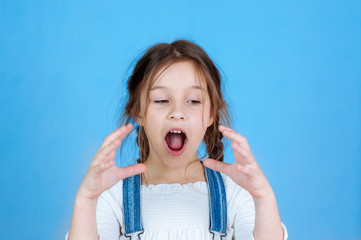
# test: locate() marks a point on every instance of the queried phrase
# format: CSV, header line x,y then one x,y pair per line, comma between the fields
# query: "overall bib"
x,y
133,225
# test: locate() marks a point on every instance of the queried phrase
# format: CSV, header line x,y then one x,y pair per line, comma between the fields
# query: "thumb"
x,y
131,170
217,165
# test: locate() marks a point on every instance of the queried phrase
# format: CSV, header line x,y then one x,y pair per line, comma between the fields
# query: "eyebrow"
x,y
163,87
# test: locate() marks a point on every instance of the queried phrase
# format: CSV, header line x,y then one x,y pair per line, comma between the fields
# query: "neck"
x,y
159,172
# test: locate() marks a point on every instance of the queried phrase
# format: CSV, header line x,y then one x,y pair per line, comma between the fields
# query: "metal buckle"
x,y
220,235
131,235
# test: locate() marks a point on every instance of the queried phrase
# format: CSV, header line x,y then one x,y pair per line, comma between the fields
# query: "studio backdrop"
x,y
291,74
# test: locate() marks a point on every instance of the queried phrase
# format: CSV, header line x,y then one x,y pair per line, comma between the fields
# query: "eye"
x,y
161,101
194,101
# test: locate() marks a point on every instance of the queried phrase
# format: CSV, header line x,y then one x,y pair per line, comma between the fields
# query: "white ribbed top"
x,y
177,211
160,209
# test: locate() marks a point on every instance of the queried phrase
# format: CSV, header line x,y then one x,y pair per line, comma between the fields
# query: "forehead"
x,y
179,75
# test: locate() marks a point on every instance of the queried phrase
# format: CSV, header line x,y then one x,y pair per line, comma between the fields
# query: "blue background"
x,y
292,72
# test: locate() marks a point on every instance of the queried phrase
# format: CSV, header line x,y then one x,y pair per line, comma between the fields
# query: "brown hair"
x,y
161,56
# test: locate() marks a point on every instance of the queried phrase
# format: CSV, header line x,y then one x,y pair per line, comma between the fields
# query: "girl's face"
x,y
177,101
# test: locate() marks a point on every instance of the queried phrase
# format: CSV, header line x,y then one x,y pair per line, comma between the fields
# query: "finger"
x,y
236,137
134,169
101,167
109,148
243,155
120,133
110,156
103,157
222,127
246,170
217,165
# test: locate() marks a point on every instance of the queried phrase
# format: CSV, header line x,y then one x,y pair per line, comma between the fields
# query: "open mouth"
x,y
176,139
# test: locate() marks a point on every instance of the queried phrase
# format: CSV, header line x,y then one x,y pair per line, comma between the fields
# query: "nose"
x,y
176,113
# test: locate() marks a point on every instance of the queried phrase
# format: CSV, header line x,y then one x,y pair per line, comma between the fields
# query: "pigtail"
x,y
143,144
213,140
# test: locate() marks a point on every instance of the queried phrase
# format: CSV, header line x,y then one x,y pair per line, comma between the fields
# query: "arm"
x,y
247,174
250,218
267,222
102,175
83,225
107,225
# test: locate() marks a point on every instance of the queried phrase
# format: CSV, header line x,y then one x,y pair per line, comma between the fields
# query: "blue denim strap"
x,y
217,203
131,206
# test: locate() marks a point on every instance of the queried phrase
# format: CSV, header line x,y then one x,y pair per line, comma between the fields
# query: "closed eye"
x,y
161,101
195,101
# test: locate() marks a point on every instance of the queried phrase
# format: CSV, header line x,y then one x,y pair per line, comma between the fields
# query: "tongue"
x,y
175,141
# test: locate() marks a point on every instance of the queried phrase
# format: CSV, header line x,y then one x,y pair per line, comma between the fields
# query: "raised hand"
x,y
245,170
103,173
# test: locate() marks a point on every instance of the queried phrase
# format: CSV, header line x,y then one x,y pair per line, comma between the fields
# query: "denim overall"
x,y
217,206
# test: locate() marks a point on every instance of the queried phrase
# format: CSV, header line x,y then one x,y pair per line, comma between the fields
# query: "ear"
x,y
138,120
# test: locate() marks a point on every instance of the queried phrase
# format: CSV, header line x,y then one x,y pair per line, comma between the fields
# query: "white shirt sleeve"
x,y
107,223
245,219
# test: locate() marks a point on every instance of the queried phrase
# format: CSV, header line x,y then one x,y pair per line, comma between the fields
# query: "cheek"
x,y
200,125
153,122
206,116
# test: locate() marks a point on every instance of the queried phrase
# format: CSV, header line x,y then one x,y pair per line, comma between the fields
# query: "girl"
x,y
175,99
